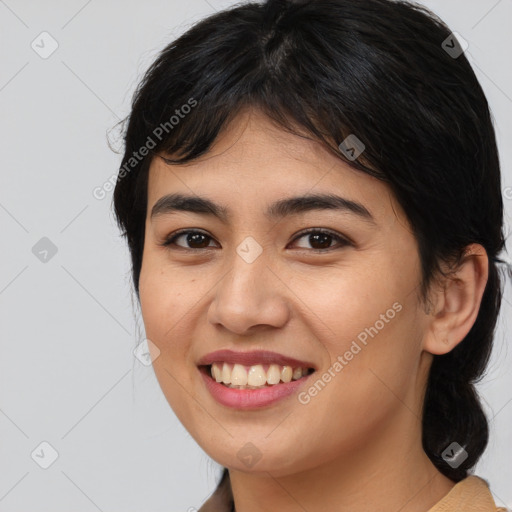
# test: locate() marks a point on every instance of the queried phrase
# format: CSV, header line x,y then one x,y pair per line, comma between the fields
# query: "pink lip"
x,y
250,398
252,358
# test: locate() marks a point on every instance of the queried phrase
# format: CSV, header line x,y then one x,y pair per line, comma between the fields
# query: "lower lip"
x,y
251,398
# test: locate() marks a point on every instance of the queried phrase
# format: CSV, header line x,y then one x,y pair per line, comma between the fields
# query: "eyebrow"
x,y
173,203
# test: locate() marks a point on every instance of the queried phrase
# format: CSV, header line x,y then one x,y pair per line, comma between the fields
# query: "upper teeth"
x,y
257,375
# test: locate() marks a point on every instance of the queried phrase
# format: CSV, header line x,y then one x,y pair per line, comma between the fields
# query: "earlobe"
x,y
457,302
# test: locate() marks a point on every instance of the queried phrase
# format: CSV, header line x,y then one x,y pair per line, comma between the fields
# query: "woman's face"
x,y
251,280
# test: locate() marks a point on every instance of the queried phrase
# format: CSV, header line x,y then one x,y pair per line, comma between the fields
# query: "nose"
x,y
250,297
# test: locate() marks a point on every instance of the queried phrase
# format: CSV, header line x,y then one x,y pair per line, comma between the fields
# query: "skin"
x,y
357,444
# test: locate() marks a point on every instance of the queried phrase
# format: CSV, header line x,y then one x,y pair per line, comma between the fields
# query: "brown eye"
x,y
192,239
320,240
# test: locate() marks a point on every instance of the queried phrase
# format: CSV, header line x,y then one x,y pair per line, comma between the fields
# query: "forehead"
x,y
254,162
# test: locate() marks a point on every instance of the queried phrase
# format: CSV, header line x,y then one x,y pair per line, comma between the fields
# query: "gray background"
x,y
68,326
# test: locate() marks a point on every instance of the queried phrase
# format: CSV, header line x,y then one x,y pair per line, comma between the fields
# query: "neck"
x,y
391,473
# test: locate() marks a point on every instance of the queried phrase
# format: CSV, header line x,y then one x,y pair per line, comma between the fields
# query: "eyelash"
x,y
342,241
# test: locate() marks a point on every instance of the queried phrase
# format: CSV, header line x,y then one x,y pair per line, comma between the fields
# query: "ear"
x,y
456,302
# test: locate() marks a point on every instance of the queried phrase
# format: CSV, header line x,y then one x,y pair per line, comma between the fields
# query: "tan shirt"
x,y
469,495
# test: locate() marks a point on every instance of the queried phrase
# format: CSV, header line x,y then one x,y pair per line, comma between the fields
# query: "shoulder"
x,y
472,494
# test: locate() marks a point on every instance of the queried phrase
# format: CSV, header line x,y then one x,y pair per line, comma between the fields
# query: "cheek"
x,y
166,308
372,385
368,323
345,304
164,305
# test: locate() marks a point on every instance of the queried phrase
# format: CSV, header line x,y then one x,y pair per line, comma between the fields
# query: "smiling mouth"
x,y
237,376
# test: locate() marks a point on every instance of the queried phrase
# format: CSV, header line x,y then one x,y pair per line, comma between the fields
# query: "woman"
x,y
310,192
